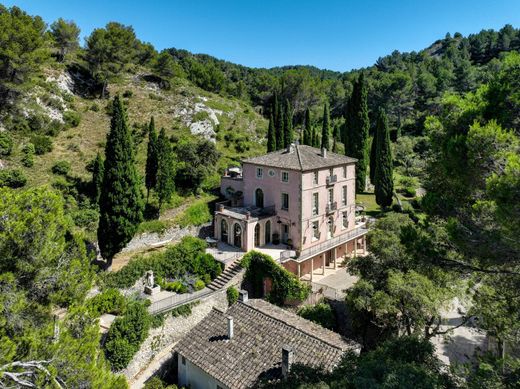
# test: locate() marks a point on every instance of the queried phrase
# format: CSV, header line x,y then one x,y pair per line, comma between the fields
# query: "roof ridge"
x,y
297,147
296,328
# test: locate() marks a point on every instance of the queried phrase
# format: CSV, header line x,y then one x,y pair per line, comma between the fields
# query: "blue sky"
x,y
337,35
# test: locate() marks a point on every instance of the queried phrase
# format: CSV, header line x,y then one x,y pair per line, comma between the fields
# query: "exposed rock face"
x,y
64,82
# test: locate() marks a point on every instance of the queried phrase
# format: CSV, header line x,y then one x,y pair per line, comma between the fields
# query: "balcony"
x,y
246,213
331,180
331,207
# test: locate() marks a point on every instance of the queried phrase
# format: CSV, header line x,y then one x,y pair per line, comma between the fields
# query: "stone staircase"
x,y
230,272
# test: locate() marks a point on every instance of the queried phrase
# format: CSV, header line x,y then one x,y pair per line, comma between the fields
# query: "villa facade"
x,y
302,198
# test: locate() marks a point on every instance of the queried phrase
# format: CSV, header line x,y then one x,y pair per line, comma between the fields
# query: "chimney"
x,y
324,152
243,295
230,327
287,360
291,147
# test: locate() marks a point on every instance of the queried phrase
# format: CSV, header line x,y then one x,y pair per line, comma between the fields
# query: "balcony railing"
x,y
331,180
248,212
327,245
331,207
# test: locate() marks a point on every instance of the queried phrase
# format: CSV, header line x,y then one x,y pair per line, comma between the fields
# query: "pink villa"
x,y
301,199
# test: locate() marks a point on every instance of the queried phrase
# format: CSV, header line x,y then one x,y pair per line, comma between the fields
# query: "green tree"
x,y
108,50
373,160
280,131
316,137
271,135
98,171
165,169
356,134
383,177
325,130
152,159
308,138
66,36
120,202
165,67
288,124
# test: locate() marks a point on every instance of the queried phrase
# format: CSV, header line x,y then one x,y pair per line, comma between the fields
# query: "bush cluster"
x,y
321,313
286,286
109,301
28,155
13,178
71,119
6,143
232,295
42,144
61,168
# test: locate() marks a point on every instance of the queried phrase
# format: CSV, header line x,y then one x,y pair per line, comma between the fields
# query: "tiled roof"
x,y
255,350
301,158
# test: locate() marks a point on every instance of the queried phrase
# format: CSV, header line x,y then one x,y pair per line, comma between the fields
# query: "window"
x,y
344,195
285,201
345,219
345,171
331,196
331,172
315,204
315,178
272,173
330,230
285,176
315,230
259,172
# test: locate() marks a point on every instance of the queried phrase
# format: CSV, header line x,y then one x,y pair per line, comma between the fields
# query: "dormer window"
x,y
259,172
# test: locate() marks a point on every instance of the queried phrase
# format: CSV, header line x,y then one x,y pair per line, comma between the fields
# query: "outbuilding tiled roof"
x,y
255,350
300,157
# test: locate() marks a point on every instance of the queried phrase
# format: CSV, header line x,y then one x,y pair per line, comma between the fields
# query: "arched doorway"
x,y
224,235
257,235
267,232
237,235
259,198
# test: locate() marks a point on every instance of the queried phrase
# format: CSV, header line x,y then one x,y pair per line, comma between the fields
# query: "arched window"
x,y
257,235
259,198
267,232
237,235
224,236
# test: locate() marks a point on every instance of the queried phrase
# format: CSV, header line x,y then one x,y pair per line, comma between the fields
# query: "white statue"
x,y
150,282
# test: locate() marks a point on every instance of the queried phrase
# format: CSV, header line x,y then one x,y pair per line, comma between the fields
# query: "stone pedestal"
x,y
152,290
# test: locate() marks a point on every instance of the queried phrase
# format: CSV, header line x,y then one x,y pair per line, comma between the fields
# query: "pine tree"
x,y
120,202
384,183
325,131
373,157
271,136
97,176
356,134
308,138
288,125
165,172
151,159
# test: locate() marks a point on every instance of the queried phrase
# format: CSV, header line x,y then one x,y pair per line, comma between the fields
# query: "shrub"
x,y
156,383
28,155
86,218
195,215
128,93
321,313
6,143
157,321
61,167
71,119
42,144
13,178
285,287
94,107
126,335
232,295
199,285
54,128
109,301
409,191
184,310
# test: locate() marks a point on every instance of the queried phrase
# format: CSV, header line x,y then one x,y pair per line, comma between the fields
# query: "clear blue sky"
x,y
338,35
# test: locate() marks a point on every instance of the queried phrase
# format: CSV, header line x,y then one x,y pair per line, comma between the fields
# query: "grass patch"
x,y
369,201
154,226
196,214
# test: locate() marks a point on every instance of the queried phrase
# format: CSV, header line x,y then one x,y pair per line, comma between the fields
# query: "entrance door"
x,y
268,232
224,231
237,235
259,198
257,235
285,233
328,258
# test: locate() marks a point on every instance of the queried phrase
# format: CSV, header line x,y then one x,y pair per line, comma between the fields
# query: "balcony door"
x,y
268,232
237,235
257,235
224,231
259,198
285,233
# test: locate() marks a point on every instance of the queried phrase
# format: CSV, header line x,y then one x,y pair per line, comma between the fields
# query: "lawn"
x,y
369,201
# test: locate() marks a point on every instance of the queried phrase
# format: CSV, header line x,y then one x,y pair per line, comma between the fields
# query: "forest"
x,y
437,136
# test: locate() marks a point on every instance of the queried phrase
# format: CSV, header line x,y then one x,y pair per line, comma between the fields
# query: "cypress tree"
x,y
288,125
280,138
120,201
316,137
384,183
335,139
165,171
373,159
357,131
276,110
308,133
151,159
271,135
98,172
325,131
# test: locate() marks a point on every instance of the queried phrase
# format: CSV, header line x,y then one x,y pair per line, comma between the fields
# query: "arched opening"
x,y
224,235
237,235
267,232
259,198
257,235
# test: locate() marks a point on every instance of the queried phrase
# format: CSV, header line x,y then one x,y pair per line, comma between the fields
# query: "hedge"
x,y
321,313
109,301
286,286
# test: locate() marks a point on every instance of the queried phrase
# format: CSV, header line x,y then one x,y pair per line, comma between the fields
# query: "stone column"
x,y
355,247
364,245
323,256
299,271
312,267
335,257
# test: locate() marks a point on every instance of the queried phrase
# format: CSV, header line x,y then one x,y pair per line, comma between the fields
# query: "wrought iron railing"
x,y
331,179
331,207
